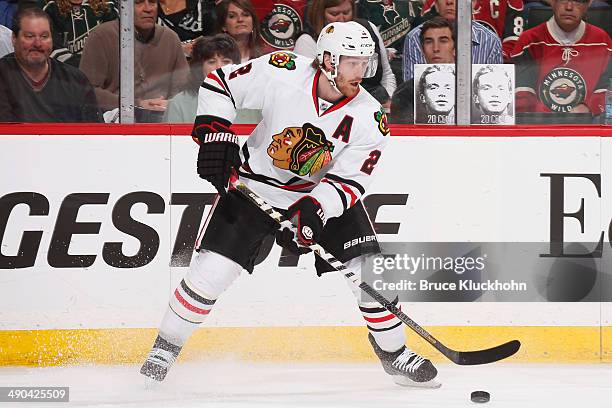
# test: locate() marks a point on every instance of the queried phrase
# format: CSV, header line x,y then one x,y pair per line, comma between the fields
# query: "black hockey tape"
x,y
480,397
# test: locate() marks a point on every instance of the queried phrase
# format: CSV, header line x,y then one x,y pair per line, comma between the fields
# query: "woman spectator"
x,y
71,23
239,19
323,12
190,19
209,53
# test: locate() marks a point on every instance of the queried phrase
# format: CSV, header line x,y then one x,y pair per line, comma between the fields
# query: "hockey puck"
x,y
480,397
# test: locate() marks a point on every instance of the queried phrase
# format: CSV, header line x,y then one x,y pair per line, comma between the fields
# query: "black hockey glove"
x,y
219,151
307,215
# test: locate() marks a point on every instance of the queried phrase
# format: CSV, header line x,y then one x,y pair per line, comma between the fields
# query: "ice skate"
x,y
160,359
406,367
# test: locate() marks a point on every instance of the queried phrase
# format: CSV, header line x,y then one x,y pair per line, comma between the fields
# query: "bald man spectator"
x,y
36,88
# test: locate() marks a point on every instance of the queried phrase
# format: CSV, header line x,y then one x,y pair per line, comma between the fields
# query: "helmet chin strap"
x,y
332,80
331,76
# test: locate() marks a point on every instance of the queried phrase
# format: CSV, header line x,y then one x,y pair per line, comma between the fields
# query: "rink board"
x,y
540,344
92,283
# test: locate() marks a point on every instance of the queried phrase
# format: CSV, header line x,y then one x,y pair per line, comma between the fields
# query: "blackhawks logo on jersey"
x,y
283,60
281,26
562,89
381,118
302,150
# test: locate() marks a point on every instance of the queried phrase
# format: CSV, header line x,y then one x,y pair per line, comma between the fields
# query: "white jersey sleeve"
x,y
351,172
234,87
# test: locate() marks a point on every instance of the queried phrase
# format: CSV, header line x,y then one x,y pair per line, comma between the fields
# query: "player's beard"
x,y
348,88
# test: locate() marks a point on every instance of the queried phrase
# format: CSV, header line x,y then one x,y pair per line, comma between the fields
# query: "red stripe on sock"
x,y
188,305
379,319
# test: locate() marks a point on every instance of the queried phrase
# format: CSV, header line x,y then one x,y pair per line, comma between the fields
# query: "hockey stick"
x,y
458,357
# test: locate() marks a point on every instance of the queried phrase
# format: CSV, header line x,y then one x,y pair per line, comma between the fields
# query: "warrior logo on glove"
x,y
302,150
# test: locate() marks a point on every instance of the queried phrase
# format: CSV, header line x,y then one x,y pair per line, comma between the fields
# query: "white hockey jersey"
x,y
303,145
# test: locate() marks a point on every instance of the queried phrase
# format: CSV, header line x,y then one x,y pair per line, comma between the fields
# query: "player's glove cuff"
x,y
216,161
308,217
219,150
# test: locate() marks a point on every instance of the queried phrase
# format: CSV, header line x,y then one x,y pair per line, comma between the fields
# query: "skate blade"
x,y
407,382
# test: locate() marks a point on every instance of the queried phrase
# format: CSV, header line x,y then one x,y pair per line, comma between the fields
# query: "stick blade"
x,y
485,356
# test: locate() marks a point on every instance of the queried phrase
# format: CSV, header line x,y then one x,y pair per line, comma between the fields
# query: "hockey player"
x,y
312,156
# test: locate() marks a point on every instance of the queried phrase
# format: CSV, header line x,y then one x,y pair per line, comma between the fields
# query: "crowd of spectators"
x,y
160,66
59,59
209,53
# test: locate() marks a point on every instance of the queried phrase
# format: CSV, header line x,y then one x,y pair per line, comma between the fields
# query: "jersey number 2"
x,y
370,162
241,71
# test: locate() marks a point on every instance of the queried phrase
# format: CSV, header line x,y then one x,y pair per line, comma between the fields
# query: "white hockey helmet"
x,y
350,39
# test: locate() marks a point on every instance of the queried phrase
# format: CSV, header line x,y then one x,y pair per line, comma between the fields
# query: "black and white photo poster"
x,y
492,94
434,94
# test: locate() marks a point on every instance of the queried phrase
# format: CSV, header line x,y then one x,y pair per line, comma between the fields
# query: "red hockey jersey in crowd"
x,y
504,17
555,73
282,21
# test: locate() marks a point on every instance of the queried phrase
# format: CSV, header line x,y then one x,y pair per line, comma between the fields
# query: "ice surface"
x,y
240,384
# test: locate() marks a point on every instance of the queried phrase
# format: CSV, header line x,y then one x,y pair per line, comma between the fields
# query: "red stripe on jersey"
x,y
345,188
293,187
245,166
315,98
217,80
189,306
379,319
350,192
315,84
297,186
341,104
